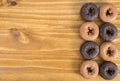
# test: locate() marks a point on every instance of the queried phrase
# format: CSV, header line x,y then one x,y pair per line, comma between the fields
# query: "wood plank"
x,y
40,41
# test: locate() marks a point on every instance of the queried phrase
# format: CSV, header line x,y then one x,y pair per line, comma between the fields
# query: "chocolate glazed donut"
x,y
89,50
108,70
89,11
108,32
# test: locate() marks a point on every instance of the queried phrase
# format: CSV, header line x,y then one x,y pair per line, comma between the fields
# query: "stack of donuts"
x,y
107,32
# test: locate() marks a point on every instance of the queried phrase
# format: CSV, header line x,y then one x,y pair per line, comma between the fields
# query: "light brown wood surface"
x,y
39,40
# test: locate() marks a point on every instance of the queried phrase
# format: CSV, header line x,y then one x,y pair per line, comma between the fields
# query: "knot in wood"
x,y
21,35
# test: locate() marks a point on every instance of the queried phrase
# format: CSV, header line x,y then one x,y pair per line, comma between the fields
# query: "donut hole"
x,y
90,11
110,52
89,70
90,31
109,12
90,51
110,32
110,71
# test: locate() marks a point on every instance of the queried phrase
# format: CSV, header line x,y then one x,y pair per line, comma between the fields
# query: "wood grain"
x,y
39,40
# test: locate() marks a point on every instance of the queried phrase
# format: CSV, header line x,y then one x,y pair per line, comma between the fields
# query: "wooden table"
x,y
39,40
